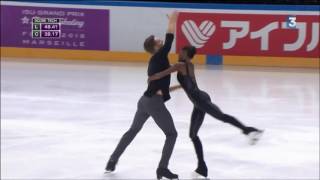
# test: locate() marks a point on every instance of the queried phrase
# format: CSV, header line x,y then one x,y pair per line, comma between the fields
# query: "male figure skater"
x,y
152,103
202,105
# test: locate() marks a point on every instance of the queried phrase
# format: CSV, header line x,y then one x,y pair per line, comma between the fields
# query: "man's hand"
x,y
172,22
179,65
174,16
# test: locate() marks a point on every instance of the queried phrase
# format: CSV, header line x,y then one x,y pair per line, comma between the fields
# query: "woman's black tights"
x,y
197,118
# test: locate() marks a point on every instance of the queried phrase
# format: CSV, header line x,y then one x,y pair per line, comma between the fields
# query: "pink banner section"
x,y
250,34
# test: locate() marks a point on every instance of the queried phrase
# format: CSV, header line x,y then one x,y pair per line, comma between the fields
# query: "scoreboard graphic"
x,y
46,27
55,27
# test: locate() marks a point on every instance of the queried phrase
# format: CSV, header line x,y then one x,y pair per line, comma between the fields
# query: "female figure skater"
x,y
202,104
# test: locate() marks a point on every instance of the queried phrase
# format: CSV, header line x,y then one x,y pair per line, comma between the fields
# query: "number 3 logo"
x,y
291,22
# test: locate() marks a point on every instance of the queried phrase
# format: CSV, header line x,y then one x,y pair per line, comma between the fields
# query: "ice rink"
x,y
62,119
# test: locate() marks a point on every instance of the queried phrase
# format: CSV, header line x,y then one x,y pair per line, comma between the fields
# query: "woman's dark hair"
x,y
191,51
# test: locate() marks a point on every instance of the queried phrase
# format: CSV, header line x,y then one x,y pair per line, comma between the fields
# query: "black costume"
x,y
202,104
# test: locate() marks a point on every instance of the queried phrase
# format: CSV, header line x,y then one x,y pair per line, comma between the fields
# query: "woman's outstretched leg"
x,y
215,111
253,133
197,118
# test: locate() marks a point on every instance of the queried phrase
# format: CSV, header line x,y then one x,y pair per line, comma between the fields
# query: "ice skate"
x,y
111,166
166,173
202,169
254,136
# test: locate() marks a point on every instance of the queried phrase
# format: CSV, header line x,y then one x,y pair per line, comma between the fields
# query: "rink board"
x,y
144,57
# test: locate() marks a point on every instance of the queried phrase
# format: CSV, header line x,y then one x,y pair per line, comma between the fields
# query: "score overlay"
x,y
46,27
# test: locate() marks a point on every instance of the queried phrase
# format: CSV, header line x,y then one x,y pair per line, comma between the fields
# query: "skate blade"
x,y
197,176
254,137
163,178
107,172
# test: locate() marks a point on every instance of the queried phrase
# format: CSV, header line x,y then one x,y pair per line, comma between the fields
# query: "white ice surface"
x,y
63,119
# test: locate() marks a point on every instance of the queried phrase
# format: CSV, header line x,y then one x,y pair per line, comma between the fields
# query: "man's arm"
x,y
172,22
170,32
166,72
175,87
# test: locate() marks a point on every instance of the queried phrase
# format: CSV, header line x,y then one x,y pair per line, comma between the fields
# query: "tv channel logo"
x,y
291,21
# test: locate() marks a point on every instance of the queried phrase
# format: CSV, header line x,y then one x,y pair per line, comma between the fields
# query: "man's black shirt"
x,y
159,62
